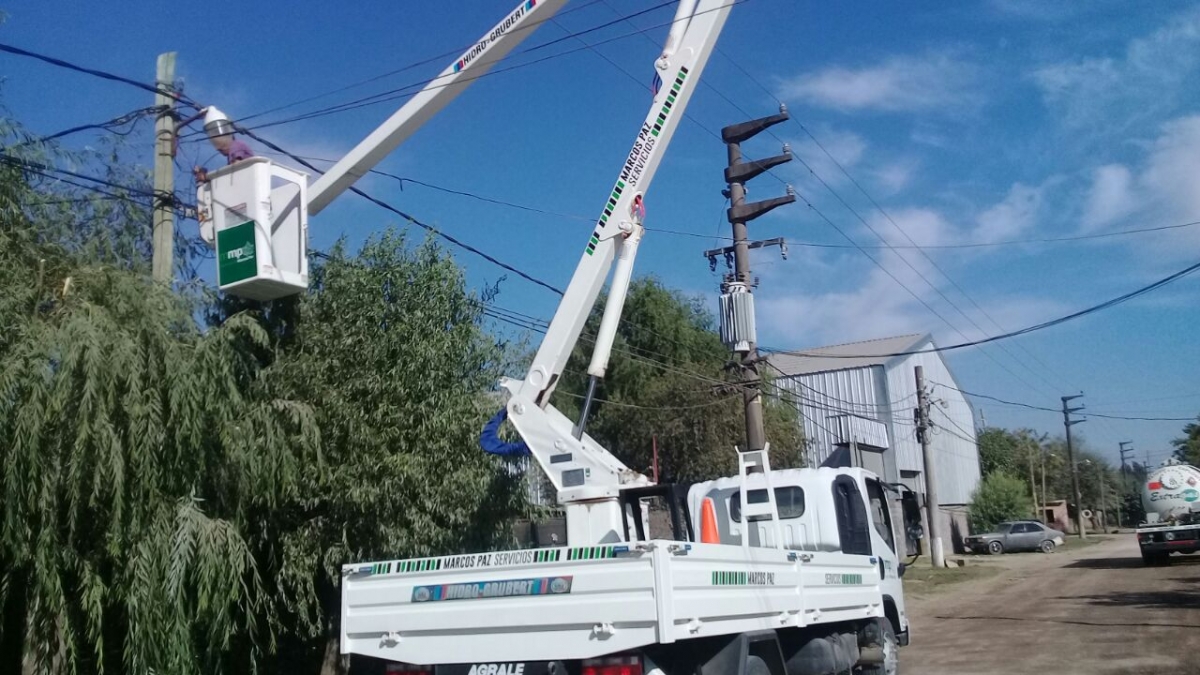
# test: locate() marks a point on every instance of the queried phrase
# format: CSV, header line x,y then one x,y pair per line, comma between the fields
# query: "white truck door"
x,y
883,545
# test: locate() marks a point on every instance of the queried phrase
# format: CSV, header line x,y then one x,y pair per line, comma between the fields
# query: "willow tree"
x,y
138,456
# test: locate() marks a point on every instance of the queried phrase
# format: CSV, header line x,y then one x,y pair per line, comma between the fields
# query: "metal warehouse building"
x,y
857,404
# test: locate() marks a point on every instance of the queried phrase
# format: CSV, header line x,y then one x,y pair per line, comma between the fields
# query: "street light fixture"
x,y
219,128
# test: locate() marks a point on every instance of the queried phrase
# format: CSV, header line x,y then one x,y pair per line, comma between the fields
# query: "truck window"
x,y
881,513
788,499
851,516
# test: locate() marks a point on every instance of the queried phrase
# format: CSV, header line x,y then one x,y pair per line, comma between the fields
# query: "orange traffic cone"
x,y
708,522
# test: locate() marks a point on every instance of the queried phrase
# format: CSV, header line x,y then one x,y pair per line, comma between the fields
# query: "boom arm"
x,y
492,47
588,478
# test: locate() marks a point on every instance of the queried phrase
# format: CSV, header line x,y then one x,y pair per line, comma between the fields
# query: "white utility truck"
x,y
1171,499
789,572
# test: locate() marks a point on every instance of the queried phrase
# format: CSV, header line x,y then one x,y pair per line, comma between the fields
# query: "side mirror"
x,y
914,529
900,569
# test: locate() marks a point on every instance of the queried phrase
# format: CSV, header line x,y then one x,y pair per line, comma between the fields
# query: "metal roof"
x,y
847,356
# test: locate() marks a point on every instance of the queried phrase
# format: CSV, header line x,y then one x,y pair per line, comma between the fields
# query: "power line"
x,y
411,219
47,171
1107,304
718,237
412,88
1059,411
95,73
416,64
121,120
619,404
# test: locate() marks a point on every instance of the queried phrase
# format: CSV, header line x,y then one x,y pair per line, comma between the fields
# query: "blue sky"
x,y
967,123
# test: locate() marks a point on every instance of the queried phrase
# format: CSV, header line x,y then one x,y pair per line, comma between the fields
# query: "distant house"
x,y
857,403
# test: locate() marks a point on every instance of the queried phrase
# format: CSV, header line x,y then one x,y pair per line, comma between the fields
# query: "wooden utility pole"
x,y
932,509
163,234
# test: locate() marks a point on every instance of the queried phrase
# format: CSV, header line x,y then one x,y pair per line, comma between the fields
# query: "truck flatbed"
x,y
577,603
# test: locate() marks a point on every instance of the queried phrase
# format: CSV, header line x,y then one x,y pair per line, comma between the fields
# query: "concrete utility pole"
x,y
737,301
1068,423
1124,481
1033,485
163,234
932,508
1103,500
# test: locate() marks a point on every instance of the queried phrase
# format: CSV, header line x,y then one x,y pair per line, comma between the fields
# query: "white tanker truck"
x,y
1171,499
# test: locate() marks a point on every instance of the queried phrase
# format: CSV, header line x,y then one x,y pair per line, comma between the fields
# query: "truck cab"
x,y
844,510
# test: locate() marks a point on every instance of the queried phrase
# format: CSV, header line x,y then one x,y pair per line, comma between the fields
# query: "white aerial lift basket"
x,y
255,213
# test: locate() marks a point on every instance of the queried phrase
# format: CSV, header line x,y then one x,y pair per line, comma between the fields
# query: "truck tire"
x,y
891,652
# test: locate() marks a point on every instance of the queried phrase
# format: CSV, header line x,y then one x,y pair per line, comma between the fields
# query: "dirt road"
x,y
1096,611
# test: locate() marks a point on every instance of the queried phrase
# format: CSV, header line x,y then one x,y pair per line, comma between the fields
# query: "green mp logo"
x,y
237,258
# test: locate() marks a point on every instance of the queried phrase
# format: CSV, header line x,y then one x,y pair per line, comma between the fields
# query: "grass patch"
x,y
926,579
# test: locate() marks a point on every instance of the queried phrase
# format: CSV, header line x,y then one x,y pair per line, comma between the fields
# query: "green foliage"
x,y
998,451
999,497
1187,447
388,351
664,381
1008,451
179,500
135,453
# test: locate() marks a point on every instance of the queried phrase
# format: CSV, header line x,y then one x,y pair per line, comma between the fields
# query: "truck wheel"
x,y
995,547
756,666
891,652
1047,547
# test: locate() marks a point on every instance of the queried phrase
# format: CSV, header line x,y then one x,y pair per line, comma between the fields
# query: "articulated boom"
x,y
588,478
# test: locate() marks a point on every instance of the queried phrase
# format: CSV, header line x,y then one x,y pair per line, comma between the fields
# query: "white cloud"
x,y
1110,198
924,226
1173,169
873,305
1119,91
1161,189
844,147
897,84
1014,215
896,176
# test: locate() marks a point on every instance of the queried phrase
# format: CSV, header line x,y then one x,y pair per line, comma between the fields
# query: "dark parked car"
x,y
1018,535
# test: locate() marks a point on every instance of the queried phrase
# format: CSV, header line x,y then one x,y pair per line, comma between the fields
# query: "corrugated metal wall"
x,y
824,396
889,394
954,444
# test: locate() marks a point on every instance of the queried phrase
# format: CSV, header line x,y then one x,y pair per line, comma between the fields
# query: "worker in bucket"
x,y
220,133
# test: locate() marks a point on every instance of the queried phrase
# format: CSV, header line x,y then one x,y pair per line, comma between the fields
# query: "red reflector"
x,y
613,665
